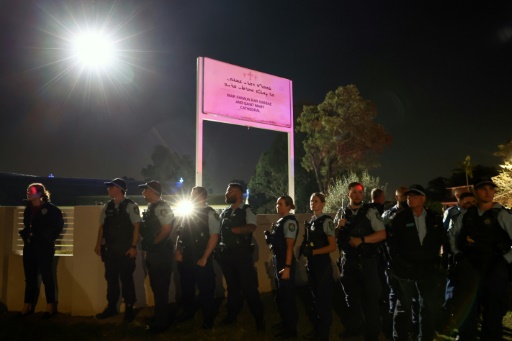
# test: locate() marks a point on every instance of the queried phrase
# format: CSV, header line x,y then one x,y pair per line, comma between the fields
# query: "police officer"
x,y
43,224
360,230
319,241
155,229
415,237
281,240
390,298
198,235
465,201
451,212
401,204
117,245
378,199
238,222
482,254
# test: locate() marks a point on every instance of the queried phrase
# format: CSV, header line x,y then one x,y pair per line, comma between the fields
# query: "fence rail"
x,y
63,244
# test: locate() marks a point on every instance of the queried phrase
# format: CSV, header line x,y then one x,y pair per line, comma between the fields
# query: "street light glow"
x,y
90,50
93,49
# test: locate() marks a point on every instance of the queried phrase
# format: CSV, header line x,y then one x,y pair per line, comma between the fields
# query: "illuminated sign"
x,y
245,95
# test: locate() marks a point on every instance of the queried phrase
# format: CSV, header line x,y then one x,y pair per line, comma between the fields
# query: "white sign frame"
x,y
270,95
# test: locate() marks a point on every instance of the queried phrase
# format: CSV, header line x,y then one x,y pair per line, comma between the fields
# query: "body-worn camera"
x,y
269,239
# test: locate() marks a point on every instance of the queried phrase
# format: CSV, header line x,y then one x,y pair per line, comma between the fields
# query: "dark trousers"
x,y
38,259
285,294
319,270
363,289
241,280
405,290
118,266
193,275
159,265
485,290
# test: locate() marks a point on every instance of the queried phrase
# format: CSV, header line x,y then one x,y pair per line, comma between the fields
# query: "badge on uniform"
x,y
487,221
136,209
378,215
331,225
216,215
291,227
163,212
44,211
409,225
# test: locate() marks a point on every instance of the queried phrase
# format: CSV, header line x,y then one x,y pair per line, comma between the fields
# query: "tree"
x,y
466,166
437,189
170,167
341,135
504,178
458,176
504,182
271,178
338,191
505,151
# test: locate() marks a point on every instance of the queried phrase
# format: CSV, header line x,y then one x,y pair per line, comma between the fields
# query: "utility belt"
x,y
352,258
224,250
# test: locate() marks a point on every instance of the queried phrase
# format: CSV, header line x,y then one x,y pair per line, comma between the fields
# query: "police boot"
x,y
108,312
129,314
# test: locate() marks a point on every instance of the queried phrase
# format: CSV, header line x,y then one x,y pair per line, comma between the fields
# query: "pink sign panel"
x,y
247,95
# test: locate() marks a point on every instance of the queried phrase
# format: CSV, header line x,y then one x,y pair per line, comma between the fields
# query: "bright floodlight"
x,y
93,49
184,208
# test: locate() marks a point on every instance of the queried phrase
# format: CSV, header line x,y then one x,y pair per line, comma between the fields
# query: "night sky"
x,y
440,75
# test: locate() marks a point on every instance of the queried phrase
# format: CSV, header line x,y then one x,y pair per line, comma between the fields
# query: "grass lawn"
x,y
65,327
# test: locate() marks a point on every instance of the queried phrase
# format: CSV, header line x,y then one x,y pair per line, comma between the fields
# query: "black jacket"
x,y
410,258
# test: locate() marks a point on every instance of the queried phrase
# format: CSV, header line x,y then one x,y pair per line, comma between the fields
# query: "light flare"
x,y
184,208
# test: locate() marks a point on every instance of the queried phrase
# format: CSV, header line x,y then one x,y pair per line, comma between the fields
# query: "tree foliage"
x,y
505,151
338,191
504,182
504,178
341,135
270,180
458,176
271,177
168,166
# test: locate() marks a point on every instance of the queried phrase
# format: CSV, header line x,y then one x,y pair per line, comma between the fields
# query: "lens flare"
x,y
184,208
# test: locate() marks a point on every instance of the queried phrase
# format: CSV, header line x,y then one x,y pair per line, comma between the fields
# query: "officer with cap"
x,y
318,242
390,298
198,235
360,230
415,237
482,252
117,245
235,251
155,230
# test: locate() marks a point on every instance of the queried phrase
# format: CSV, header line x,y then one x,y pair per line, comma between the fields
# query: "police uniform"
x,y
388,215
43,225
285,228
450,214
359,272
118,224
158,257
483,254
235,256
194,233
414,245
389,296
319,271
